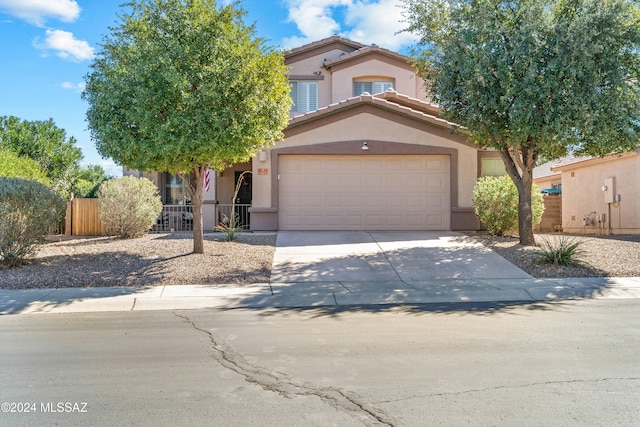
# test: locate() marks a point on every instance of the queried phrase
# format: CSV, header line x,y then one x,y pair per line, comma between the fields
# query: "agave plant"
x,y
563,250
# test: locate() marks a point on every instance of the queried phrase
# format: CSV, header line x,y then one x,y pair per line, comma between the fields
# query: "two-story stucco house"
x,y
364,150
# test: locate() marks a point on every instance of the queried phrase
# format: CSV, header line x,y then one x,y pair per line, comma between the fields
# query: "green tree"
x,y
182,86
88,181
12,165
47,144
533,78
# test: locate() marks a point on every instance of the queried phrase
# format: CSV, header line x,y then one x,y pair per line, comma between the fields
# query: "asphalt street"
x,y
543,363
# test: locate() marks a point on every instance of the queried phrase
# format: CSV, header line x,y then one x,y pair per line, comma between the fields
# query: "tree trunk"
x,y
195,185
196,200
525,216
519,162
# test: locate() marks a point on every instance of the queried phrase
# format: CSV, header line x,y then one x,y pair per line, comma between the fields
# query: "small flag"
x,y
207,179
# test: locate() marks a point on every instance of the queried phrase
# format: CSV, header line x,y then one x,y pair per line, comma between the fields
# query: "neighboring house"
x,y
364,150
599,195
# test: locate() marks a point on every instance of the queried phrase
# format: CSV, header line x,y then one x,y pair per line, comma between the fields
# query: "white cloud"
x,y
37,12
314,19
66,46
365,21
76,87
379,23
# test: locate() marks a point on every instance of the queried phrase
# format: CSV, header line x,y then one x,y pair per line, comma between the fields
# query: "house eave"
x,y
592,161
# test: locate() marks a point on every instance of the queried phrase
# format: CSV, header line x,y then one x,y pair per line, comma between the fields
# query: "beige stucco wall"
x,y
337,84
582,193
313,63
368,126
405,81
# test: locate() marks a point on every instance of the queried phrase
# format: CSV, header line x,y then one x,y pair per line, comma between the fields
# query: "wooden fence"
x,y
83,218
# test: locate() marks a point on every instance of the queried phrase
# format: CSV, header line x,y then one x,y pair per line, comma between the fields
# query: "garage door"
x,y
395,192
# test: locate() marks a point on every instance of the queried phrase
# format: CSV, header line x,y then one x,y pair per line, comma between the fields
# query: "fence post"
x,y
68,220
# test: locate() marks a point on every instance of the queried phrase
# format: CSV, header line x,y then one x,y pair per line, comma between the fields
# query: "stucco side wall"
x,y
583,194
405,81
313,63
371,128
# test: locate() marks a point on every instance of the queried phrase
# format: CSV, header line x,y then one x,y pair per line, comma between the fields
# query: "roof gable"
x,y
418,115
367,53
321,46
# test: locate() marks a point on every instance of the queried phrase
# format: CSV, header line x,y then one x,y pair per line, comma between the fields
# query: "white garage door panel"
x,y
326,192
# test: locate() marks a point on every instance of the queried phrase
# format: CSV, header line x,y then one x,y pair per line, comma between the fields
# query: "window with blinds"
x,y
370,87
305,96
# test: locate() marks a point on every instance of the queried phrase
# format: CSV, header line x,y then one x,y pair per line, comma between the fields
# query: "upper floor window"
x,y
305,96
371,87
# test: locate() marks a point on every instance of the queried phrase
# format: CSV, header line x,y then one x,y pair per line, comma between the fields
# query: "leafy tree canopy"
x,y
12,165
45,143
534,78
89,179
182,83
182,86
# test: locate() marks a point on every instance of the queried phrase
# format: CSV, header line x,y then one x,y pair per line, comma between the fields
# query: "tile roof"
x,y
413,108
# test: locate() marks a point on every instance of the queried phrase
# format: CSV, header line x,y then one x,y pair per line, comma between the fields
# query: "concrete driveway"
x,y
360,256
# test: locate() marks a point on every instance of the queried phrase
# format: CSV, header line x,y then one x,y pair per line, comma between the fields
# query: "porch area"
x,y
180,217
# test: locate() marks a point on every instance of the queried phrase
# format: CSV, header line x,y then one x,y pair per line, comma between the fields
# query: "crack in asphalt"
x,y
482,390
279,382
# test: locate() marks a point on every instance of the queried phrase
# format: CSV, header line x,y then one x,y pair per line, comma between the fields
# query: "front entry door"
x,y
244,198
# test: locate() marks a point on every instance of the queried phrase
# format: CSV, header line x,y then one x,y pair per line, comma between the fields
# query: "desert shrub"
x,y
495,201
561,251
129,206
27,210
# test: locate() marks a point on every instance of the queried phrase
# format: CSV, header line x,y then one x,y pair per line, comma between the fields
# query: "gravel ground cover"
x,y
164,259
155,259
602,256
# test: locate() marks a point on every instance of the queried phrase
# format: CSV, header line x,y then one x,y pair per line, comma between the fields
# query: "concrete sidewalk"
x,y
314,294
324,269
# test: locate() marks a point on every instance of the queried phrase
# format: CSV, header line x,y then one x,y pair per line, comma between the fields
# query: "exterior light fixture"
x,y
262,156
365,146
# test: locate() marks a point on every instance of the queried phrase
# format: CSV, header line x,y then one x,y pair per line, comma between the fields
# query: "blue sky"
x,y
46,48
